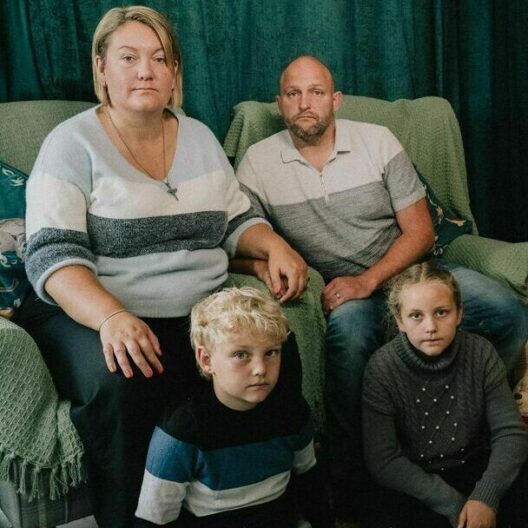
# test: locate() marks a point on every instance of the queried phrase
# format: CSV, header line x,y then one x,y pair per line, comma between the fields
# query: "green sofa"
x,y
426,127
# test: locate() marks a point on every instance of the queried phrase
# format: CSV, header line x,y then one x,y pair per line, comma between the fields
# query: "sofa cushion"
x,y
13,281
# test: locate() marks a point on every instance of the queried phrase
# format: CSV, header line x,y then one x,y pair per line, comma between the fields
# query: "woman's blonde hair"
x,y
235,311
118,16
420,273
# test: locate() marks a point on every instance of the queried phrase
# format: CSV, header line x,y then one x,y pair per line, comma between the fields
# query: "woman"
x,y
132,212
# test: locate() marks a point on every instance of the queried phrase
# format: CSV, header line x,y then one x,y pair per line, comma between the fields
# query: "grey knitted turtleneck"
x,y
424,414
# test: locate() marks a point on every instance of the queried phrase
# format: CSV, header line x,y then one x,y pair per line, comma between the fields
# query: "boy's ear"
x,y
203,358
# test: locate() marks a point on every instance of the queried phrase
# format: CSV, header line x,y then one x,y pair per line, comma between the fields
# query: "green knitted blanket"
x,y
39,446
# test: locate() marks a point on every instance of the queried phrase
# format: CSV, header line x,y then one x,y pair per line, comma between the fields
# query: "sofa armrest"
x,y
307,321
504,261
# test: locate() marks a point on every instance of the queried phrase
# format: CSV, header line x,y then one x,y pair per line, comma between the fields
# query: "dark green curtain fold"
x,y
472,52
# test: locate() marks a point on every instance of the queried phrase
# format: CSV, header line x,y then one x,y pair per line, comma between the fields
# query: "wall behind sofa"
x,y
473,52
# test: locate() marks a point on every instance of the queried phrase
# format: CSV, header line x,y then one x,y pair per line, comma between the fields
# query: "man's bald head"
x,y
306,61
308,101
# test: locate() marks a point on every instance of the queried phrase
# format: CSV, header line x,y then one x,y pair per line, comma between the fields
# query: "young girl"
x,y
443,438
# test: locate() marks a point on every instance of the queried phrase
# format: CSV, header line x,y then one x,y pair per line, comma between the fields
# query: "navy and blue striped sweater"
x,y
217,467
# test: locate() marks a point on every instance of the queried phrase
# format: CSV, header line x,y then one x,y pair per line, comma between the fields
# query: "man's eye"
x,y
292,94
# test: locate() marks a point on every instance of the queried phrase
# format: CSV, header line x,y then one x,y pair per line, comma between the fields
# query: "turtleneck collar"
x,y
418,361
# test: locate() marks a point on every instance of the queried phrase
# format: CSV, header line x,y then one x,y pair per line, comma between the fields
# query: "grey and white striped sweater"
x,y
159,255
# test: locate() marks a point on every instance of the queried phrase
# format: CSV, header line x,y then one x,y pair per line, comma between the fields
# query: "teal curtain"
x,y
472,52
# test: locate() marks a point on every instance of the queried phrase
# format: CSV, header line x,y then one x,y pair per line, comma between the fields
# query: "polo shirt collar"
x,y
290,153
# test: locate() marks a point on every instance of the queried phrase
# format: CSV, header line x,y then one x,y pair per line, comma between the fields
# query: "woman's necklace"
x,y
170,190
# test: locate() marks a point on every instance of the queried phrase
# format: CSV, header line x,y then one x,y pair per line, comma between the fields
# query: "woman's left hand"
x,y
288,272
477,514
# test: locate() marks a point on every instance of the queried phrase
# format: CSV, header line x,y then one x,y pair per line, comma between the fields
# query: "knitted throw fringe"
x,y
40,449
34,481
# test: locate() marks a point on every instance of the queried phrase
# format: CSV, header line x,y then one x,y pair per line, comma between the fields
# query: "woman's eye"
x,y
160,60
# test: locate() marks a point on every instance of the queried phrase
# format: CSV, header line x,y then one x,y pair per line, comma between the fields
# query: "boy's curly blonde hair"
x,y
236,311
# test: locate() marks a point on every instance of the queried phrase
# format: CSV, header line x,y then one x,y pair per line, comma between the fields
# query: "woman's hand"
x,y
124,336
261,271
258,268
477,514
288,272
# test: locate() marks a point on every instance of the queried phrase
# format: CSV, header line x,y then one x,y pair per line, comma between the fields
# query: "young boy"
x,y
240,453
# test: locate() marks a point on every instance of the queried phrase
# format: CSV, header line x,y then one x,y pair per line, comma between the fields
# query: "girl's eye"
x,y
273,353
442,313
415,316
240,354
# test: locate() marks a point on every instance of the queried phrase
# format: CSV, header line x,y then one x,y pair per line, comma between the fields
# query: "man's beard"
x,y
311,134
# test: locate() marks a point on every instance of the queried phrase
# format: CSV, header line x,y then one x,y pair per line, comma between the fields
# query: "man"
x,y
345,195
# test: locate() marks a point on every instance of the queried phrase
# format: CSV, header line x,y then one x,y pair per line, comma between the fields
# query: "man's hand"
x,y
126,337
288,272
477,514
343,289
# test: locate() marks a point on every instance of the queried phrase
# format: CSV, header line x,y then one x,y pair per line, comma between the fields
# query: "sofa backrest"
x,y
25,124
426,127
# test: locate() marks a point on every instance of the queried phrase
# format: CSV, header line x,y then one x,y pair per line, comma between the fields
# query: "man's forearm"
x,y
405,250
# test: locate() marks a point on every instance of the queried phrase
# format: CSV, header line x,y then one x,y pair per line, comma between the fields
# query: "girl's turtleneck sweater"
x,y
422,415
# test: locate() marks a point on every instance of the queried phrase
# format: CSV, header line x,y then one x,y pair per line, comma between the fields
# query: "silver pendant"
x,y
171,190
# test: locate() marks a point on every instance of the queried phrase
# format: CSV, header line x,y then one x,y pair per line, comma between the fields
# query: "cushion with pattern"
x,y
13,281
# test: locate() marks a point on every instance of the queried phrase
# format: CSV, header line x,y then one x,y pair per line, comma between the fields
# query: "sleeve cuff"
x,y
486,492
231,242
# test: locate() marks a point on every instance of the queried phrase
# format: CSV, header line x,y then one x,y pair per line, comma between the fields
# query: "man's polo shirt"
x,y
341,220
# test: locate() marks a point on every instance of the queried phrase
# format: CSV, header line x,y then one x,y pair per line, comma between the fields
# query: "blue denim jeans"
x,y
357,328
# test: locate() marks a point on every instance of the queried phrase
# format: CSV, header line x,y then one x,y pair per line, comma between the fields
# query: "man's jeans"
x,y
358,328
